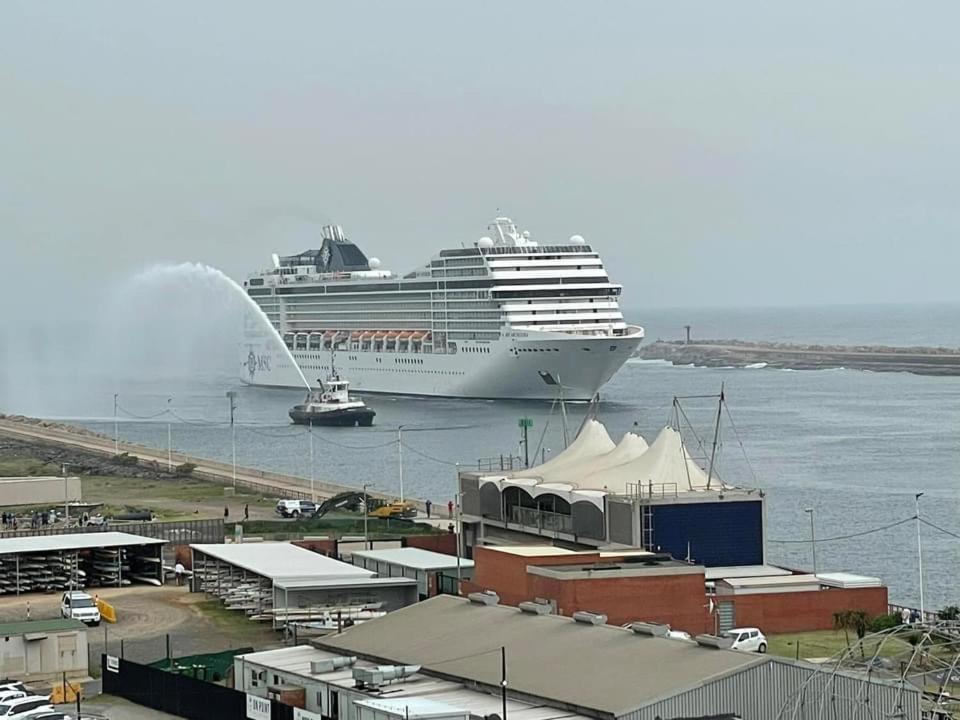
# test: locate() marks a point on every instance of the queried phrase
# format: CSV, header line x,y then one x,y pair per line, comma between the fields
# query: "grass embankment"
x,y
167,498
829,643
335,525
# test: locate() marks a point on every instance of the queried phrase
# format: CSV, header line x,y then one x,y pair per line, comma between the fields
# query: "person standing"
x,y
428,505
450,509
246,511
178,570
226,512
905,616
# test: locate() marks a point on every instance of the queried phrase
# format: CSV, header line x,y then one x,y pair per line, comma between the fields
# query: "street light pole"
x,y
916,499
66,497
400,457
232,396
813,538
116,427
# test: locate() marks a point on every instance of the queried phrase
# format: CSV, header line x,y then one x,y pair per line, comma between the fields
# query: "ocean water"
x,y
855,446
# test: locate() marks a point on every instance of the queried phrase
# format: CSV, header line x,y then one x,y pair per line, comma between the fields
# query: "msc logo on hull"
x,y
256,363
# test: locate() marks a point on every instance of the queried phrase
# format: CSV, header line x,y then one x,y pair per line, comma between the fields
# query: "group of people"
x,y
429,507
37,519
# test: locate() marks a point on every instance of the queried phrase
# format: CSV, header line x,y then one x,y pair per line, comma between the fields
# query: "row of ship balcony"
x,y
363,340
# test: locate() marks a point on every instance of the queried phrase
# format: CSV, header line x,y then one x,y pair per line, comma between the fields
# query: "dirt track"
x,y
145,615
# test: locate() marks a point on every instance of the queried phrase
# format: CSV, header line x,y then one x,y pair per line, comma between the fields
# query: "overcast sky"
x,y
730,153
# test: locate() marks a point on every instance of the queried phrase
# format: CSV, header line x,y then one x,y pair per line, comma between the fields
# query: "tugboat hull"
x,y
346,417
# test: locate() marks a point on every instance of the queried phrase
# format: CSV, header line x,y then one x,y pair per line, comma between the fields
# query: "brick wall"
x,y
802,611
678,600
445,543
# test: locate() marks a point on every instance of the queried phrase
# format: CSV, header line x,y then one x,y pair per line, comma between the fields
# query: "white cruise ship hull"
x,y
516,367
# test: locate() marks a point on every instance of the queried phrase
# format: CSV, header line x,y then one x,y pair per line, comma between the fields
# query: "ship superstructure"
x,y
503,318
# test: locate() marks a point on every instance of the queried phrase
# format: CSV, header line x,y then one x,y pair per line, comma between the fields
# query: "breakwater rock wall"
x,y
739,353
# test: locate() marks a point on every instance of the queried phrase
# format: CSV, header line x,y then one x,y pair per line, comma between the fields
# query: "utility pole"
x,y
169,438
503,680
366,512
457,495
400,457
716,437
813,539
916,499
525,424
232,396
116,427
313,492
66,498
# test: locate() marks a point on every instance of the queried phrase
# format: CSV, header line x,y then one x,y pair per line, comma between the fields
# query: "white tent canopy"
x,y
592,467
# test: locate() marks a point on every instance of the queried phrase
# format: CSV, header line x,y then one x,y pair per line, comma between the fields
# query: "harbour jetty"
x,y
741,353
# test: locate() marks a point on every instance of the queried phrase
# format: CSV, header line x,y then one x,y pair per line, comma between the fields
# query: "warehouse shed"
x,y
50,563
42,650
416,563
286,584
598,670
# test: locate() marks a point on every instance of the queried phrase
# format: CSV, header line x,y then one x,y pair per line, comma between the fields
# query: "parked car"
x,y
50,715
13,685
11,694
24,707
747,639
79,606
295,508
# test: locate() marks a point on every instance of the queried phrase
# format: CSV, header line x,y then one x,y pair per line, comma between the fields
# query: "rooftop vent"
x,y
589,618
487,597
647,628
714,641
318,667
372,678
535,608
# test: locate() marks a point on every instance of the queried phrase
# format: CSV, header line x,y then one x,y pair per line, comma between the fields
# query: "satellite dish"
x,y
374,263
276,260
577,240
485,242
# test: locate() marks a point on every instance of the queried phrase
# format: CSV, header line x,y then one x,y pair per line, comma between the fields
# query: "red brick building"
x,y
632,585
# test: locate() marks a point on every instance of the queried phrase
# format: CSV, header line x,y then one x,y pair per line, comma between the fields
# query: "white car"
x,y
24,707
80,606
295,508
747,639
9,694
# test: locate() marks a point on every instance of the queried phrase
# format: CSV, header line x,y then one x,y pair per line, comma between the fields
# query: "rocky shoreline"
x,y
740,353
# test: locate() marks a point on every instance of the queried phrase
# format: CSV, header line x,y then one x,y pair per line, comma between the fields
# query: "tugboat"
x,y
332,405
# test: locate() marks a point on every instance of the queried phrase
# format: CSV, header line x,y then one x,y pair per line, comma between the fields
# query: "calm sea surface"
x,y
855,446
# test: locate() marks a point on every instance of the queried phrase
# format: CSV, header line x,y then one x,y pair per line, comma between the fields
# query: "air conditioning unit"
x,y
648,628
372,678
487,597
318,667
535,608
714,641
589,618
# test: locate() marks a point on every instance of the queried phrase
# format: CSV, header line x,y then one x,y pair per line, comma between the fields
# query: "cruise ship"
x,y
501,318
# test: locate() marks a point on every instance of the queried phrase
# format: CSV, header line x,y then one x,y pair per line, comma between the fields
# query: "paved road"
x,y
269,483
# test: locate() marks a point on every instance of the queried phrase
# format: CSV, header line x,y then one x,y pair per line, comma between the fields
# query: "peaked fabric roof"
x,y
592,442
593,463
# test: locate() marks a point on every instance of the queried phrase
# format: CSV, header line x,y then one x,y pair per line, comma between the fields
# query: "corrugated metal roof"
x,y
415,558
549,657
741,571
279,560
415,707
77,541
40,626
848,580
328,583
531,550
296,661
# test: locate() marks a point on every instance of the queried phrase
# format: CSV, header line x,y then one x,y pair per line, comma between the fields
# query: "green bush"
x,y
951,612
884,622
